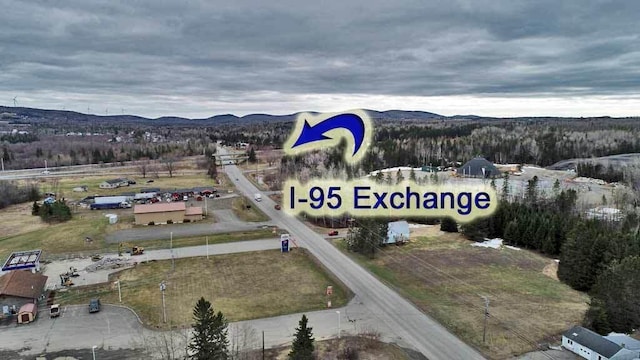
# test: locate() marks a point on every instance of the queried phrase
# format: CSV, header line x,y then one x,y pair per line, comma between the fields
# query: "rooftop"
x,y
159,207
22,283
592,340
193,210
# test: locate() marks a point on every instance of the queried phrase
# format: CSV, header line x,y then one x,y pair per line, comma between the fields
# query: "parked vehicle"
x,y
258,197
122,205
94,305
333,233
277,207
54,311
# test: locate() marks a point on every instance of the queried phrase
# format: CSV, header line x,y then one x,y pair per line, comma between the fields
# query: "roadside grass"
x,y
17,219
251,214
202,240
445,277
366,346
243,286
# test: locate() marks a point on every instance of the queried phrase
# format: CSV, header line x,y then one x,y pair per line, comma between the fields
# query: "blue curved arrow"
x,y
351,122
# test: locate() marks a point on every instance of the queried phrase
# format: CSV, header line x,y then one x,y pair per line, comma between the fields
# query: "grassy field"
x,y
251,214
212,239
242,286
445,276
60,238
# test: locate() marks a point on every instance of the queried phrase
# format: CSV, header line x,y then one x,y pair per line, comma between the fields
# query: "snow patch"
x,y
496,243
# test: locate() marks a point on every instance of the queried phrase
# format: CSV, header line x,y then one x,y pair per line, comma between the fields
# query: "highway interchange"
x,y
409,326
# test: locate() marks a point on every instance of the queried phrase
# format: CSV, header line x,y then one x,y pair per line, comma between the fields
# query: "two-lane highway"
x,y
413,328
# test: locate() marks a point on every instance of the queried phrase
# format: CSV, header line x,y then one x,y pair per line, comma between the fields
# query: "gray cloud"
x,y
206,52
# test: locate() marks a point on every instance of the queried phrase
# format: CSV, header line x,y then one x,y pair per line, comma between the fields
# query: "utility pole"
x,y
262,344
338,312
164,310
119,291
207,239
486,316
173,261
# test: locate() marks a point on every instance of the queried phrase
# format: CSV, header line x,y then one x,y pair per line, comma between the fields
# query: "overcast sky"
x,y
200,58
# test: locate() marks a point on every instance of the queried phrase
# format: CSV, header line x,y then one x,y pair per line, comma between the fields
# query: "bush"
x,y
449,225
57,211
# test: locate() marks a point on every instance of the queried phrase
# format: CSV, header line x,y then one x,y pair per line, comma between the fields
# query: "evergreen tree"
x,y
379,177
618,292
505,188
596,317
399,177
252,156
209,340
476,230
303,344
35,209
448,225
412,175
556,188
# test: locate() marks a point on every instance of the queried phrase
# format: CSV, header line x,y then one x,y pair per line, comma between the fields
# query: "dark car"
x,y
333,233
94,305
131,182
149,181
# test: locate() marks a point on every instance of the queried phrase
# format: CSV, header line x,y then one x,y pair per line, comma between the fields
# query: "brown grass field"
x,y
367,348
242,286
445,276
251,214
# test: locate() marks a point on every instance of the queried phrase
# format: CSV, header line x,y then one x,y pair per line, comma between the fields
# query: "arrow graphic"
x,y
351,122
310,133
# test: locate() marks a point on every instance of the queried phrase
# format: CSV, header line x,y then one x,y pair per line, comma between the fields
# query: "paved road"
x,y
116,327
413,328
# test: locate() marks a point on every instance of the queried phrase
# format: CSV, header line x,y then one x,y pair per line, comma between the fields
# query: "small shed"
x,y
27,313
397,232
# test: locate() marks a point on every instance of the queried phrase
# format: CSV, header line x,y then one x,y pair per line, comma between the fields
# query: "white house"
x,y
588,344
397,232
114,183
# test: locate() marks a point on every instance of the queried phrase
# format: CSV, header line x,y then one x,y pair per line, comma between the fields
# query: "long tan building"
x,y
165,213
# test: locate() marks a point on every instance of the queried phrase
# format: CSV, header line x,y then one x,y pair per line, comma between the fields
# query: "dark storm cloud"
x,y
412,48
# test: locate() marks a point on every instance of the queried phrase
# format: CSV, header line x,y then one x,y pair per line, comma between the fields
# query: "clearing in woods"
x,y
446,277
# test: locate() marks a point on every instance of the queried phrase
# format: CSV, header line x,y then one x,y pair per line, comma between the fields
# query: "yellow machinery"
x,y
135,250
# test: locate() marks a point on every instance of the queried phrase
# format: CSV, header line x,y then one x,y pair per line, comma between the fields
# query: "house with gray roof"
x,y
589,345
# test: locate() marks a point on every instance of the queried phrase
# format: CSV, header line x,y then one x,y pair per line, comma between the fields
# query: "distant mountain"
x,y
31,115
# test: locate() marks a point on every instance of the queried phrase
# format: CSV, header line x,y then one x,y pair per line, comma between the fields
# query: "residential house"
x,y
114,183
397,232
588,344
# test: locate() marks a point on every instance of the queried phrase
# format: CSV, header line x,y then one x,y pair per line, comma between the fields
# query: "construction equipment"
x,y
73,272
65,280
133,249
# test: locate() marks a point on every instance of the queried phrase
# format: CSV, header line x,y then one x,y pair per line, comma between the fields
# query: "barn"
x,y
478,168
159,213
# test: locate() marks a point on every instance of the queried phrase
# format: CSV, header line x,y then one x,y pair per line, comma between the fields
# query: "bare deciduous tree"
x,y
169,165
143,168
165,345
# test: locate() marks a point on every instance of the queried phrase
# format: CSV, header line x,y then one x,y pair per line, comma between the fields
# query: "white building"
x,y
588,344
